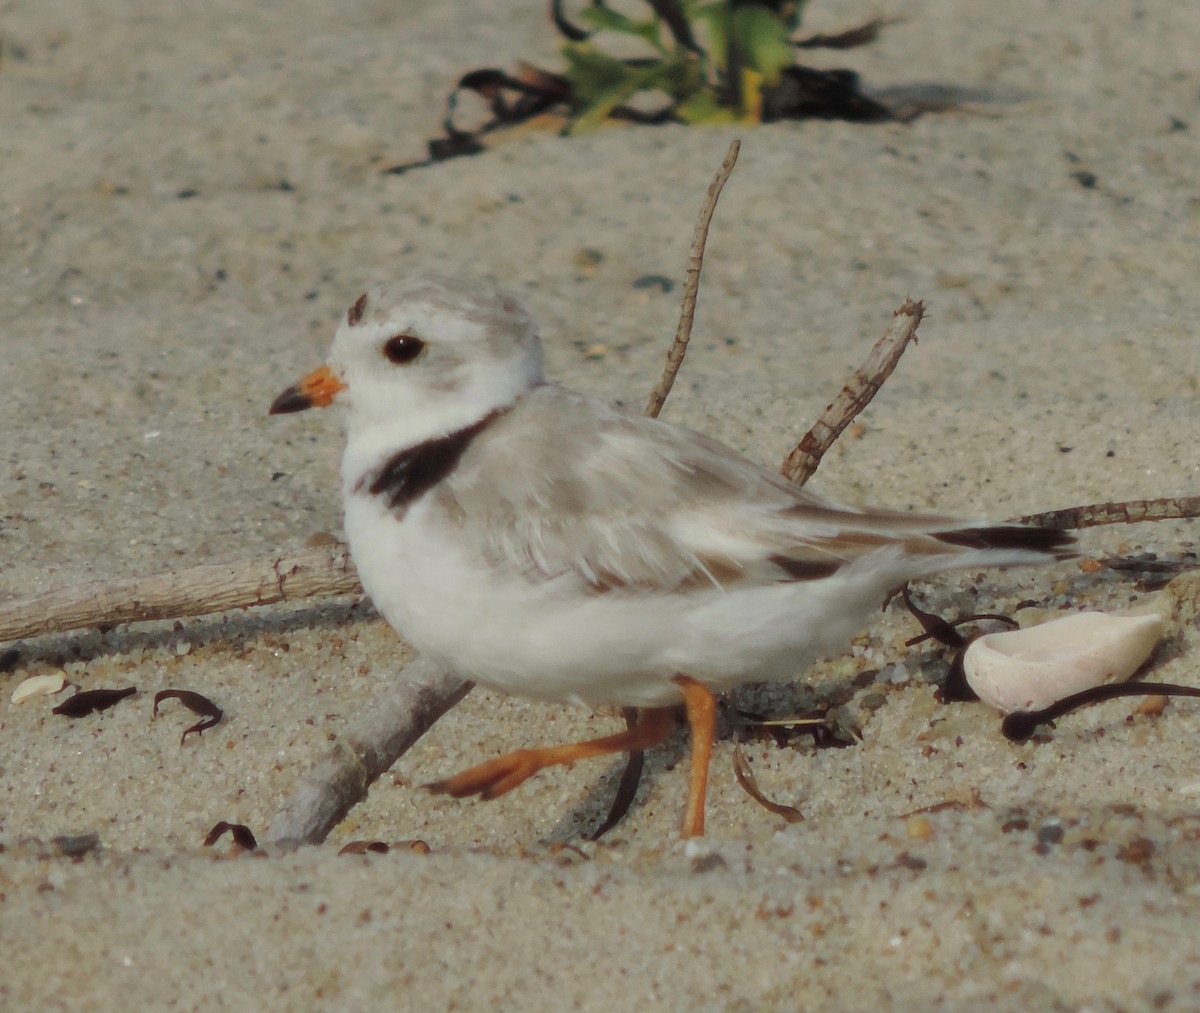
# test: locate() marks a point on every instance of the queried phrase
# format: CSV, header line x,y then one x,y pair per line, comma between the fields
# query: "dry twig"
x,y
197,591
856,395
691,285
419,695
1132,511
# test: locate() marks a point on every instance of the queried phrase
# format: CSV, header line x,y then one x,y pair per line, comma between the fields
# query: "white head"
x,y
421,358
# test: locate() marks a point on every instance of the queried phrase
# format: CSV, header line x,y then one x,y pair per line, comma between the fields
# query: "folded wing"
x,y
565,487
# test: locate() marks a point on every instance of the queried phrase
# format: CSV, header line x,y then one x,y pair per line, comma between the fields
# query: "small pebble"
x,y
709,863
658,281
1152,706
1050,834
919,828
73,845
587,260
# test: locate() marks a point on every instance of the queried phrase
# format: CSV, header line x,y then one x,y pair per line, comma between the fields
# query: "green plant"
x,y
720,61
712,60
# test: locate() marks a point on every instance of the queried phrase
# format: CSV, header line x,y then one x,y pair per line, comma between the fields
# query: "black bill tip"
x,y
291,400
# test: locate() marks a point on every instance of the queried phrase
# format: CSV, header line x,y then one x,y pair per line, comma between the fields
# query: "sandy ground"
x,y
191,195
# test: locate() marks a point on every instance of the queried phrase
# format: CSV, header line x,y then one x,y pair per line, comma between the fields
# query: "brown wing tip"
x,y
1007,536
807,569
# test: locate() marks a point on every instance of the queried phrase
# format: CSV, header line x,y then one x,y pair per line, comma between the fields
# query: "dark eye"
x,y
403,348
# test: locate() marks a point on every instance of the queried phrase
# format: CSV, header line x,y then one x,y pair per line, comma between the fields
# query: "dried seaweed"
x,y
90,700
1020,725
197,704
243,837
365,847
627,787
745,777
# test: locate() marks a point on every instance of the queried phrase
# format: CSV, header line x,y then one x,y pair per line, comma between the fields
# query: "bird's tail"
x,y
1010,538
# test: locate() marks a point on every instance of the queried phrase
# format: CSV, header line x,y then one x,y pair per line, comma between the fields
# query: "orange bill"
x,y
315,391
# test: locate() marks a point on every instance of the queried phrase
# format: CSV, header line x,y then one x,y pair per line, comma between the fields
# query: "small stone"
x,y
74,845
1152,706
1139,851
709,863
919,828
587,260
1048,836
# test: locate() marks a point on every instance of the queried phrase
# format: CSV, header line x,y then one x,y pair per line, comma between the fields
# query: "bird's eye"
x,y
403,348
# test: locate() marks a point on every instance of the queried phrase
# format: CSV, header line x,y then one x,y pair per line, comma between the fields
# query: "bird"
x,y
540,542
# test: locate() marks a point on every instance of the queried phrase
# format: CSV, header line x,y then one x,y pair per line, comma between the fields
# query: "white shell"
x,y
1032,668
39,685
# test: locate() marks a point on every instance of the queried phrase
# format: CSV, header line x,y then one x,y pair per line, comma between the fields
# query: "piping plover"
x,y
537,541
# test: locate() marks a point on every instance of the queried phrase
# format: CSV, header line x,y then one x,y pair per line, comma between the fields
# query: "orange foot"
x,y
701,707
494,778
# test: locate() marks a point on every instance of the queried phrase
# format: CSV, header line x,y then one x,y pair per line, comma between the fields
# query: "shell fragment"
x,y
39,685
1033,668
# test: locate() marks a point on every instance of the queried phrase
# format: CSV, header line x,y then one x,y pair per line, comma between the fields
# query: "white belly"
x,y
552,640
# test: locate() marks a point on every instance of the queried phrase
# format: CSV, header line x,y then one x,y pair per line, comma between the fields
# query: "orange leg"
x,y
494,778
701,707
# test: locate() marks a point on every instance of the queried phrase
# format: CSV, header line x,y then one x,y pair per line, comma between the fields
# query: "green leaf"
x,y
681,75
605,20
592,73
762,38
600,83
601,107
716,16
702,107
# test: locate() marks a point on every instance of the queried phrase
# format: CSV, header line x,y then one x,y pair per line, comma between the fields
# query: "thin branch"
x,y
1132,511
199,590
635,760
420,695
856,395
691,285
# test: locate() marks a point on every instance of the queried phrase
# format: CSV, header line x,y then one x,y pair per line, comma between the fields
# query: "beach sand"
x,y
192,196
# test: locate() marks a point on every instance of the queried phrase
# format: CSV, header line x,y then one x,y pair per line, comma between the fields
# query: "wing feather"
x,y
563,486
